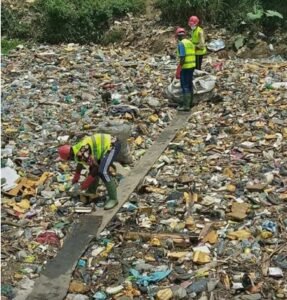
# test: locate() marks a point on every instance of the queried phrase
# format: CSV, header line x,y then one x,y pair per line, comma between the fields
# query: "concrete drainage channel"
x,y
54,281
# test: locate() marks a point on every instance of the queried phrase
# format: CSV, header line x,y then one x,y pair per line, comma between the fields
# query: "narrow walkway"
x,y
54,281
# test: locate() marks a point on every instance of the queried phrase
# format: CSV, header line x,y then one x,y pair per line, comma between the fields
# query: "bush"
x,y
113,36
228,13
57,21
82,21
14,24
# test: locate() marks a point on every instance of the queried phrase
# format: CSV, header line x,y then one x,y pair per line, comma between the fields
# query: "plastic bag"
x,y
216,45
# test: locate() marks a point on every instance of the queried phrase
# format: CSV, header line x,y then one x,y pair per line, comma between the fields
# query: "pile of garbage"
x,y
52,95
209,220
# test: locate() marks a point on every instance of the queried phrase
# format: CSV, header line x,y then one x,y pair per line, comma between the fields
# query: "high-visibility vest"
x,y
189,61
195,40
99,143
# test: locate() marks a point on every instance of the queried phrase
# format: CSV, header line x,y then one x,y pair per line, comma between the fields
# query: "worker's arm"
x,y
77,175
93,173
94,170
201,43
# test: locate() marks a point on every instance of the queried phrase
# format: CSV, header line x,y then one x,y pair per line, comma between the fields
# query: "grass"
x,y
9,44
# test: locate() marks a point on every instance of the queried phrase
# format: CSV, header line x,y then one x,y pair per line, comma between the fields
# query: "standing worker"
x,y
186,54
96,152
197,38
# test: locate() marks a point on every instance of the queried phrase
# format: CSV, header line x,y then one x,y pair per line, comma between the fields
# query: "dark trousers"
x,y
186,78
198,61
107,160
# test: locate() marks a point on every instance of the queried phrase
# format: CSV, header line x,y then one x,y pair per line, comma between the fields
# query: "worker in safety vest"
x,y
186,54
96,152
197,38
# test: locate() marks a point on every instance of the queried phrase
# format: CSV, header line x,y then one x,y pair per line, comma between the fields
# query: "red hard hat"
x,y
180,31
64,152
193,21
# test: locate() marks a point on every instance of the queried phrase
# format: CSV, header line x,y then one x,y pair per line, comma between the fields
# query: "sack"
x,y
203,83
178,71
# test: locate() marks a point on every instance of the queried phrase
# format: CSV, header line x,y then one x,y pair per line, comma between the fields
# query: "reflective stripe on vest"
x,y
195,40
100,144
189,61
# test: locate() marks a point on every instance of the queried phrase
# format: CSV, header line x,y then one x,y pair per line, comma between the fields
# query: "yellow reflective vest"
x,y
189,61
195,40
99,143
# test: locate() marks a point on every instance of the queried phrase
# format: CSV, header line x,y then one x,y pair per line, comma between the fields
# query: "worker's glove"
x,y
89,180
76,178
178,71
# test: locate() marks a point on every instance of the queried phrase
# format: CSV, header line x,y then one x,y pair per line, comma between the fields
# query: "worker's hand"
x,y
76,178
89,180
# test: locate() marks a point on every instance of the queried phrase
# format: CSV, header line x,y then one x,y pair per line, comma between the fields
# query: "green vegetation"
x,y
228,13
14,25
8,45
56,21
85,21
113,36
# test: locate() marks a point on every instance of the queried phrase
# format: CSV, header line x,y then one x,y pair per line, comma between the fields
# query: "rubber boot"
x,y
191,100
182,103
112,194
186,102
92,189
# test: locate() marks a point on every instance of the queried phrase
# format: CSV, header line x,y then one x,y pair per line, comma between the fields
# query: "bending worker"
x,y
197,38
96,152
186,54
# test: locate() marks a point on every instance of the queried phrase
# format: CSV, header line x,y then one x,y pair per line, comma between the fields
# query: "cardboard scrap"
x,y
239,235
165,294
238,211
201,257
259,187
211,237
178,254
153,118
27,186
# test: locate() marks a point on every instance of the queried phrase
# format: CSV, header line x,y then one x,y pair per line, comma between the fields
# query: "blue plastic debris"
x,y
130,206
100,296
145,280
269,226
82,263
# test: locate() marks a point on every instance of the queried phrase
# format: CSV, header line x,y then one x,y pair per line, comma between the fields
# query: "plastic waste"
x,y
197,286
145,280
100,296
203,83
76,297
281,260
49,238
269,226
216,45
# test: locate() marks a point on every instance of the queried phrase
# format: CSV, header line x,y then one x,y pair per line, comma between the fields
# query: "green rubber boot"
x,y
191,100
181,103
112,194
92,189
186,103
